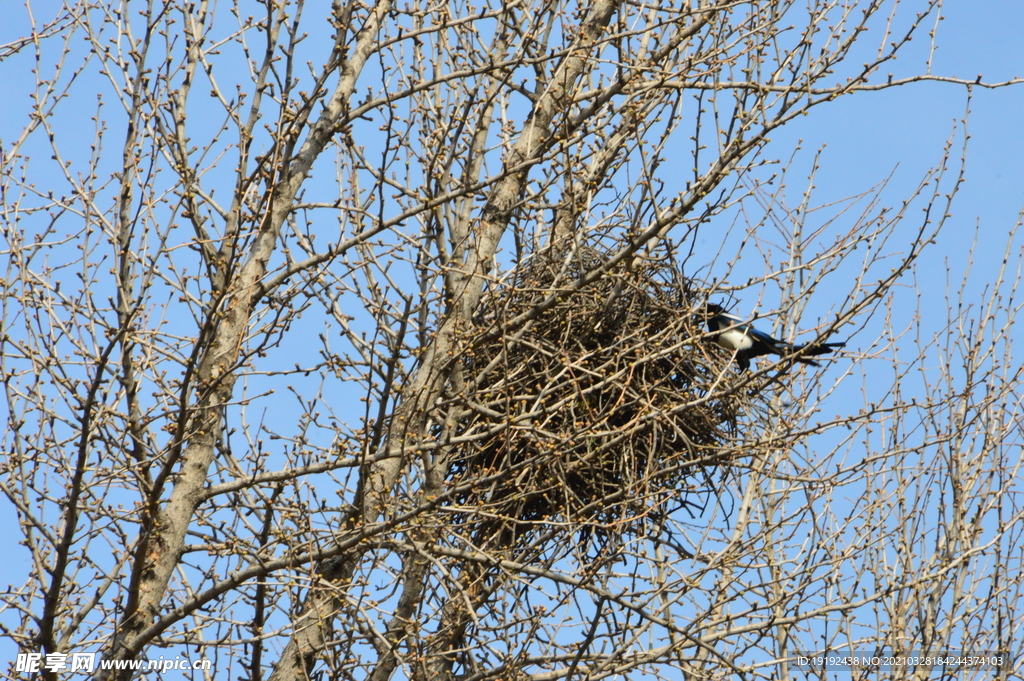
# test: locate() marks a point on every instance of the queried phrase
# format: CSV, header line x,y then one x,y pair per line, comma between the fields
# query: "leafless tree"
x,y
368,341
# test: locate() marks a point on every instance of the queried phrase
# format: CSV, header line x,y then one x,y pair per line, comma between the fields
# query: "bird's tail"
x,y
815,349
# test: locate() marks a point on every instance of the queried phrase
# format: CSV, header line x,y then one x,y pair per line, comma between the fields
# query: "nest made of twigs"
x,y
601,409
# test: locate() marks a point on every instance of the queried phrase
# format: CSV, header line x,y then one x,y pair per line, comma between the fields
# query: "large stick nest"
x,y
604,409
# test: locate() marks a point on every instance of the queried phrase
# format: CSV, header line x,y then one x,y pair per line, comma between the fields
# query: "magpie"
x,y
739,337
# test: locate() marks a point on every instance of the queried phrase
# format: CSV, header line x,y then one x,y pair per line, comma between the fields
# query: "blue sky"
x,y
901,132
865,137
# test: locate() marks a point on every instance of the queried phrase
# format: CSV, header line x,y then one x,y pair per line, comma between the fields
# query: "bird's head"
x,y
712,310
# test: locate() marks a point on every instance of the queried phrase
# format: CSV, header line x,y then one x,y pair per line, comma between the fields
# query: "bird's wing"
x,y
765,338
726,322
732,320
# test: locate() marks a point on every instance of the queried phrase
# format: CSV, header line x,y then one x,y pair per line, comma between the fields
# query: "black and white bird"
x,y
746,342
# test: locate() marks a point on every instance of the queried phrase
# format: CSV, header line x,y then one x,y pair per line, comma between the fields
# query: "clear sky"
x,y
867,136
